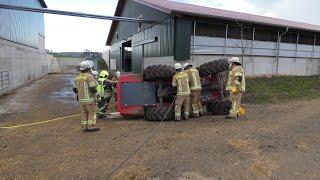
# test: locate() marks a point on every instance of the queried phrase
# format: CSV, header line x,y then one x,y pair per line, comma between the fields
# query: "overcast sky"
x,y
77,34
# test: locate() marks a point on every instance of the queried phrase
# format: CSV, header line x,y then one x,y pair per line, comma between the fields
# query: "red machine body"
x,y
126,110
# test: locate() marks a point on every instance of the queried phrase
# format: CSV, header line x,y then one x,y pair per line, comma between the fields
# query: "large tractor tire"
x,y
219,107
159,72
157,113
213,67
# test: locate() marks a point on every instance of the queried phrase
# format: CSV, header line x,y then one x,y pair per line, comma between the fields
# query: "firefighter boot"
x,y
186,115
84,127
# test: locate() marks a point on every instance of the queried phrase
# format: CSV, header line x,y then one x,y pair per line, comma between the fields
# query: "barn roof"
x,y
208,12
43,3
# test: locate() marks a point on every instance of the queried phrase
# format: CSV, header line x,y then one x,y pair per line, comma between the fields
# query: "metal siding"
x,y
215,46
116,54
22,27
182,39
134,10
137,59
162,47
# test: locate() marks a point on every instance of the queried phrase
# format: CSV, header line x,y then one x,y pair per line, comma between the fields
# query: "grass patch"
x,y
281,89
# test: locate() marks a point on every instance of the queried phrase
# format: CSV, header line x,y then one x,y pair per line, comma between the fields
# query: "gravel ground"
x,y
272,142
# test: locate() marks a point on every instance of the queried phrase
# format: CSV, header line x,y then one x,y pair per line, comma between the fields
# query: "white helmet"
x,y
84,66
118,74
90,64
94,73
177,66
185,65
235,60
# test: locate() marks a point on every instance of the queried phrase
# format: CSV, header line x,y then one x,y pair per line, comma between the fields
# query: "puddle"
x,y
65,94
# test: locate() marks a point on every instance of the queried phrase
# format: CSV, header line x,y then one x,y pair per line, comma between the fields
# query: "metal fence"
x,y
4,80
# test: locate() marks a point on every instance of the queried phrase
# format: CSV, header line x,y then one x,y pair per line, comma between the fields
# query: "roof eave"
x,y
119,9
241,20
43,4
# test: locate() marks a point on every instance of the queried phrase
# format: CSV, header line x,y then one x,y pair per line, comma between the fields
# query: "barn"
x,y
23,56
182,33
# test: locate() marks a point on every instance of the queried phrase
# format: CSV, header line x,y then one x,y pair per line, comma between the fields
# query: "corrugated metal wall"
x,y
162,47
137,59
164,44
182,39
22,27
214,45
135,10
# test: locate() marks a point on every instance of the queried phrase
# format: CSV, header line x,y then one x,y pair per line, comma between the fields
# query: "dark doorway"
x,y
127,56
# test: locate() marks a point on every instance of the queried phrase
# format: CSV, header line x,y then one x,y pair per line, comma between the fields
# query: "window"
x,y
234,32
289,38
306,39
318,40
204,29
210,30
266,35
220,30
139,23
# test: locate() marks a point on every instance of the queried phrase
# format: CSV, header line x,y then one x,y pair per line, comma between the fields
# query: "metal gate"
x,y
4,80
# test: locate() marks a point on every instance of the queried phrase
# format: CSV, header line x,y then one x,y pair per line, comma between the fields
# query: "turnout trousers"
x,y
182,101
103,104
88,114
236,104
196,105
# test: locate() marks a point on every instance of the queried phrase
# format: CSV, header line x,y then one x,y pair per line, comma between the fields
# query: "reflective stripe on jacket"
x,y
83,82
100,86
194,79
181,81
236,79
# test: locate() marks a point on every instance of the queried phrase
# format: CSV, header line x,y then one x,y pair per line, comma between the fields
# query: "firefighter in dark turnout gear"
x,y
104,93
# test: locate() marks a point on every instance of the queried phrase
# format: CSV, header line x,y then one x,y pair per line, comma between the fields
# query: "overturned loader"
x,y
150,94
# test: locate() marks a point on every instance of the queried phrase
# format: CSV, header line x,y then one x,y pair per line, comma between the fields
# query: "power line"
x,y
76,14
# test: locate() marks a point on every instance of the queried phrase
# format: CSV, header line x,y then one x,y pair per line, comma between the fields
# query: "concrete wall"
x,y
23,64
68,64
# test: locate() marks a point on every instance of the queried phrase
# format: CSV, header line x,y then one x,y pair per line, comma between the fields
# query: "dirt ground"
x,y
272,142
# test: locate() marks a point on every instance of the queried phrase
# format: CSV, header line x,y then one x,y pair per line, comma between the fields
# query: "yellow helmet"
x,y
104,74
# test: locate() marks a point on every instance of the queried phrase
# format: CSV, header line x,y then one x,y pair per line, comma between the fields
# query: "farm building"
x,y
196,34
23,55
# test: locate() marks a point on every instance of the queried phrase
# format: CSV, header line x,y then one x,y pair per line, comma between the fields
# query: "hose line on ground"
x,y
141,145
36,123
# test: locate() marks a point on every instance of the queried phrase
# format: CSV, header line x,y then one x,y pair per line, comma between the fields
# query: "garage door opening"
x,y
127,57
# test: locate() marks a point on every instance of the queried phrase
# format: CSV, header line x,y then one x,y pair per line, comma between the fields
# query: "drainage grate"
x,y
4,80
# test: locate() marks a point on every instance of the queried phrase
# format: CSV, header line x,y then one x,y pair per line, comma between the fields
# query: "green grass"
x,y
281,89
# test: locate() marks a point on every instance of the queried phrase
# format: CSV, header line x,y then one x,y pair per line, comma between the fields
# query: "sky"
x,y
77,34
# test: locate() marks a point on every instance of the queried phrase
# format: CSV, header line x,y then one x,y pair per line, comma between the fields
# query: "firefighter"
x,y
236,85
195,87
105,92
181,82
85,87
115,79
101,109
95,74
